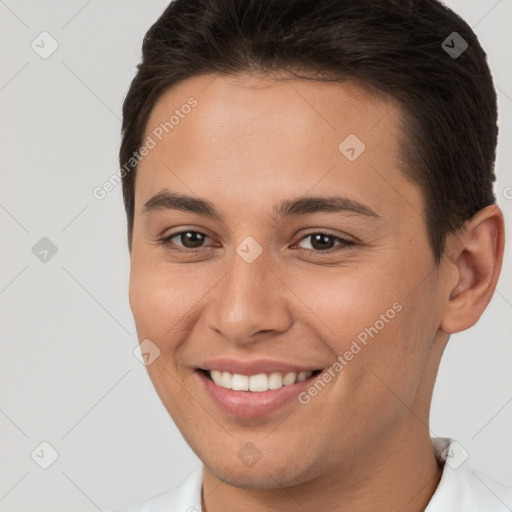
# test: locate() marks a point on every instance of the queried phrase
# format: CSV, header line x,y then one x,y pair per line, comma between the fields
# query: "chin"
x,y
265,474
250,478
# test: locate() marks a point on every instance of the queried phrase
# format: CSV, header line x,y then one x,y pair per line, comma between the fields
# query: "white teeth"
x,y
225,380
301,376
257,383
240,382
289,378
216,376
275,380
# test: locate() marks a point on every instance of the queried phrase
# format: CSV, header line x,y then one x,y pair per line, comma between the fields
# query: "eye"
x,y
189,239
324,242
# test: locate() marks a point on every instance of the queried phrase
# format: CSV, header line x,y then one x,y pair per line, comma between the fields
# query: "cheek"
x,y
394,358
375,320
160,300
165,300
346,303
157,300
145,299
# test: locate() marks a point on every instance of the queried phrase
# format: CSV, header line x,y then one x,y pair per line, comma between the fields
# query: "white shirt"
x,y
461,488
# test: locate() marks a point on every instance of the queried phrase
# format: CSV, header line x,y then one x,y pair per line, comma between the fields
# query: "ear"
x,y
474,255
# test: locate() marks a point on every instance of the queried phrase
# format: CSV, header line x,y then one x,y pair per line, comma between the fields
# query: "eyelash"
x,y
166,242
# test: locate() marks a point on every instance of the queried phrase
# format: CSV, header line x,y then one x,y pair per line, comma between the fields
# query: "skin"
x,y
363,442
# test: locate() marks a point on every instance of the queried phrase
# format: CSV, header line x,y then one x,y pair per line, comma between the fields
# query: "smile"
x,y
256,383
253,396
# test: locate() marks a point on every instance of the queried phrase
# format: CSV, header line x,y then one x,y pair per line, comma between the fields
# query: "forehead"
x,y
273,136
256,105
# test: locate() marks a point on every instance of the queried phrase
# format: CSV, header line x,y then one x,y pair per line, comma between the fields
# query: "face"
x,y
278,243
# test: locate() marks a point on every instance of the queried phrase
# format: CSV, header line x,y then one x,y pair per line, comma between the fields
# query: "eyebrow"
x,y
165,200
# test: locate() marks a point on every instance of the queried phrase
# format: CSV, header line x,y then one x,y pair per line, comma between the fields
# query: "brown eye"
x,y
323,242
188,239
191,239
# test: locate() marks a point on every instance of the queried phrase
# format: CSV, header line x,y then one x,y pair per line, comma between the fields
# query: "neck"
x,y
397,472
400,474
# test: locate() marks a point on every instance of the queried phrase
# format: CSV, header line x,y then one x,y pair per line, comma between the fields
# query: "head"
x,y
334,166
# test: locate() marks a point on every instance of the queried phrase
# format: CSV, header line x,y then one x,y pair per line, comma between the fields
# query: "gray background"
x,y
68,373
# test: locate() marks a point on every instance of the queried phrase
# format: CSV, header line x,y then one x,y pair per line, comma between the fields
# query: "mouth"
x,y
256,383
254,396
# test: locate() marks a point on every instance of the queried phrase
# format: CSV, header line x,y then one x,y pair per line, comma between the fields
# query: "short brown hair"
x,y
399,46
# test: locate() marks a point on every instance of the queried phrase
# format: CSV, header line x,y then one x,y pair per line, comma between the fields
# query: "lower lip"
x,y
252,404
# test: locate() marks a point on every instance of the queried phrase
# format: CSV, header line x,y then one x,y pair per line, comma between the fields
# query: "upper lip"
x,y
255,366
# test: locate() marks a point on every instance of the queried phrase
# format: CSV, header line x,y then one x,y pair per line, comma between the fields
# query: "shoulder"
x,y
186,497
463,488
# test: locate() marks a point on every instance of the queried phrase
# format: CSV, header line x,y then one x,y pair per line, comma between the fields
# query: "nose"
x,y
250,303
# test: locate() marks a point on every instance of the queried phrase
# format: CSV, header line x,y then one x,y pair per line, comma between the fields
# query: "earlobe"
x,y
477,262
